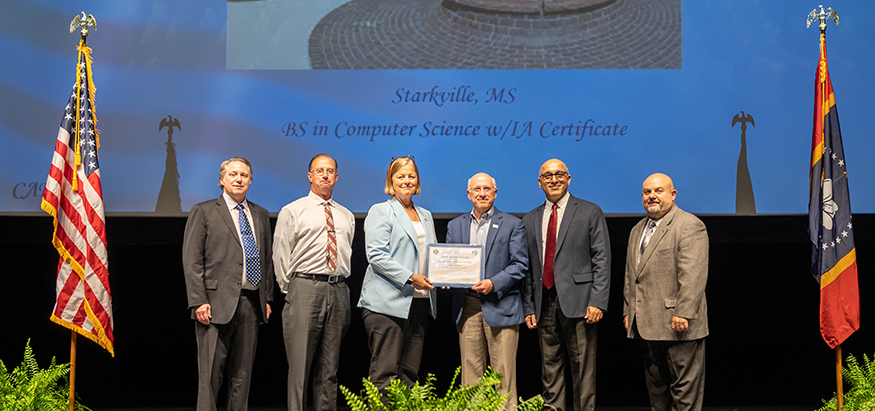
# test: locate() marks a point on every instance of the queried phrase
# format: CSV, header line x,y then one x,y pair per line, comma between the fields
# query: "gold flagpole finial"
x,y
83,22
822,17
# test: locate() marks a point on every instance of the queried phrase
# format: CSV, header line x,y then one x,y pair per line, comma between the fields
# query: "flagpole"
x,y
81,23
839,386
73,338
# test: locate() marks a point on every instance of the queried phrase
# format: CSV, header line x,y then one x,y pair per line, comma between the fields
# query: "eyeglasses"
x,y
484,190
559,175
397,157
324,171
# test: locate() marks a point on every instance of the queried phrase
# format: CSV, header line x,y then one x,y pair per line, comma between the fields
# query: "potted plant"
x,y
480,396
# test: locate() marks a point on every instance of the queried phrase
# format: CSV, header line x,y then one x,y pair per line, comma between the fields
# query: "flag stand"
x,y
73,338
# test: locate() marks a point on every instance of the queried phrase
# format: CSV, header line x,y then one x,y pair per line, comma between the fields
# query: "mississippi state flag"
x,y
830,226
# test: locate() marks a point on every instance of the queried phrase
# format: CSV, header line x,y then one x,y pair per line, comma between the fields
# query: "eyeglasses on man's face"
x,y
482,190
324,171
559,175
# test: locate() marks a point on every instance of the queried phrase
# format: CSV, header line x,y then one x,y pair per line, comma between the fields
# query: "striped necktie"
x,y
651,227
331,249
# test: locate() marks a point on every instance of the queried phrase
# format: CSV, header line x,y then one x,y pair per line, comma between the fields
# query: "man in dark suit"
x,y
488,315
567,285
664,290
226,257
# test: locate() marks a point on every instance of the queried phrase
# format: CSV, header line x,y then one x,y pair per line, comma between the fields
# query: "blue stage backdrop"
x,y
633,87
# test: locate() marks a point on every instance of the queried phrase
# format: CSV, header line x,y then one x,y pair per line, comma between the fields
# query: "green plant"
x,y
29,388
861,379
480,396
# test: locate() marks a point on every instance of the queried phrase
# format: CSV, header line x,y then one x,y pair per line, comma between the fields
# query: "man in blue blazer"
x,y
566,289
488,314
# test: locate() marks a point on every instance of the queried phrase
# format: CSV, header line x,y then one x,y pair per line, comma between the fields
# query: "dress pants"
x,y
396,344
228,346
479,342
315,319
566,339
675,374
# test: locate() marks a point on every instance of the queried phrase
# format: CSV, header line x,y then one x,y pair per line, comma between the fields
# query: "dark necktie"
x,y
648,232
332,239
550,250
250,249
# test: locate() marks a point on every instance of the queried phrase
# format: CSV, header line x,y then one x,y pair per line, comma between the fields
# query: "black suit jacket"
x,y
582,264
212,259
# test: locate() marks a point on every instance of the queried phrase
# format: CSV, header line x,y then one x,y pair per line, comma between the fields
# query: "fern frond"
x,y
480,396
861,379
29,363
354,402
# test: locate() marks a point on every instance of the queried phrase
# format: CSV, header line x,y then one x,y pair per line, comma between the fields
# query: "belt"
x,y
249,293
330,279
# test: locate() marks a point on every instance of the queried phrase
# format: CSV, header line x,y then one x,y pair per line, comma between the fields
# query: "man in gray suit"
x,y
488,315
566,290
226,258
665,307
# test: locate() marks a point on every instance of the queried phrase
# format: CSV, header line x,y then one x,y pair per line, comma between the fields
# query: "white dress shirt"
x,y
301,239
545,222
420,249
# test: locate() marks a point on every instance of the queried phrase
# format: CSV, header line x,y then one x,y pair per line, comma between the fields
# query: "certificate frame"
x,y
437,275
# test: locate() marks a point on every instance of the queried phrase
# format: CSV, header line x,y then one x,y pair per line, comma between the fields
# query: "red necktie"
x,y
550,250
332,240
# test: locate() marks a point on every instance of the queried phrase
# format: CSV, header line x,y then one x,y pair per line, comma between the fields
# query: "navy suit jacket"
x,y
506,264
582,264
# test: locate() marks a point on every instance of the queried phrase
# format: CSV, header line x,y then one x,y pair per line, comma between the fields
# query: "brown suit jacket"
x,y
669,280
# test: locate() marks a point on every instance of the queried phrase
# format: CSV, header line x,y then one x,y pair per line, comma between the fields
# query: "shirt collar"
x,y
231,202
561,203
486,216
319,200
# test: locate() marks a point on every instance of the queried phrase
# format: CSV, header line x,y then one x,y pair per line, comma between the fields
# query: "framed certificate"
x,y
454,265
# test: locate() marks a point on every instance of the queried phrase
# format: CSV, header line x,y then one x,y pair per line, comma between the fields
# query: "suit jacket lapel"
x,y
570,209
401,216
539,227
465,229
494,225
225,214
636,237
657,237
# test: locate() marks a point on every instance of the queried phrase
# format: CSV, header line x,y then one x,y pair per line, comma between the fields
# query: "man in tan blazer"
x,y
665,307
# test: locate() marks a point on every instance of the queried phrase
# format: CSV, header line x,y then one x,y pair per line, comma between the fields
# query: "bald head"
x,y
554,179
553,164
658,195
481,179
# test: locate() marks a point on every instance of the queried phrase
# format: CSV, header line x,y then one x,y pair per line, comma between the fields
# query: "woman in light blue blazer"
x,y
396,297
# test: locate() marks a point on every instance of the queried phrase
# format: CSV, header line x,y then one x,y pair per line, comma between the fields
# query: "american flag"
x,y
74,198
